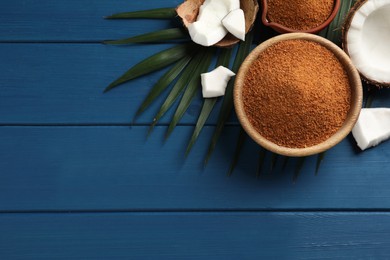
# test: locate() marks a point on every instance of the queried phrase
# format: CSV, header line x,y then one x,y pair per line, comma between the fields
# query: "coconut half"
x,y
188,11
366,38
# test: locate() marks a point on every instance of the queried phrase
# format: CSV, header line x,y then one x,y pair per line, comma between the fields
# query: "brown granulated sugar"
x,y
296,93
299,14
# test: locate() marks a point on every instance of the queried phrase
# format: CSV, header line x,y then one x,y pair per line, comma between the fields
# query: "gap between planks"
x,y
344,211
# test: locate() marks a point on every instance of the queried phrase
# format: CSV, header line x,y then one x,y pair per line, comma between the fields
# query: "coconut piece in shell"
x,y
366,38
208,29
204,34
189,10
220,8
234,22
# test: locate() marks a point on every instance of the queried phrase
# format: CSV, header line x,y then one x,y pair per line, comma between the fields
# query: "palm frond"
x,y
163,83
208,103
181,83
227,104
298,168
333,32
371,92
237,152
157,36
320,158
191,90
159,13
153,63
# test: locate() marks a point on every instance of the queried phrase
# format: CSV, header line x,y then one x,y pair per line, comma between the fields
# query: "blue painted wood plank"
x,y
82,21
64,83
116,168
75,20
195,236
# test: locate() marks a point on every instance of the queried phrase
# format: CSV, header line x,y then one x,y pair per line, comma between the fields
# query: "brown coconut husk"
x,y
345,29
189,10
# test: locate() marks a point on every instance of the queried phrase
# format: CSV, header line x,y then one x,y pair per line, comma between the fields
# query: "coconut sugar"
x,y
299,14
296,93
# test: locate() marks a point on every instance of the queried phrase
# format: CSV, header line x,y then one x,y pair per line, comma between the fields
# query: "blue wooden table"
x,y
79,180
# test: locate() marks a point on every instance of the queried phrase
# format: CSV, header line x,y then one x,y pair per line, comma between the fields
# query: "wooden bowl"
x,y
352,116
189,10
283,29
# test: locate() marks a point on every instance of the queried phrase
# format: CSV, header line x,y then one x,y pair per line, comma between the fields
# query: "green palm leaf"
x,y
208,103
298,168
181,83
163,83
157,36
191,90
159,13
224,57
237,152
371,92
320,158
333,32
227,104
153,63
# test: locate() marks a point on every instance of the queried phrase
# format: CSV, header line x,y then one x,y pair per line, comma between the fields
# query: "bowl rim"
x,y
283,29
353,114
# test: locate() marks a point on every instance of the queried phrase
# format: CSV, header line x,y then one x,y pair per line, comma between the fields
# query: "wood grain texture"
x,y
116,168
65,147
82,21
195,236
74,20
64,83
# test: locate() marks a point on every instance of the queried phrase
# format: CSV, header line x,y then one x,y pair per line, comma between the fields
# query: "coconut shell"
x,y
346,26
189,10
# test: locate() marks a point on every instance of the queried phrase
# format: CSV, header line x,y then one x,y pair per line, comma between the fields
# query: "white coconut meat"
x,y
234,22
204,34
372,127
214,83
368,40
208,28
222,6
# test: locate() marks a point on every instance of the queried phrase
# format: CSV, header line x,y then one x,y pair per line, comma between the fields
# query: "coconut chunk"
x,y
225,5
218,8
372,127
367,40
231,4
206,34
208,28
214,83
234,22
207,14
